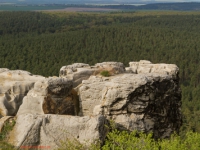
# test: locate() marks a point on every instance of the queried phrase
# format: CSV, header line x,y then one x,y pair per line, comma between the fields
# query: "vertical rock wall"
x,y
148,100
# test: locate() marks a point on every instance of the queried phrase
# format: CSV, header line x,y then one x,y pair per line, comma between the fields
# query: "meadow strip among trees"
x,y
44,42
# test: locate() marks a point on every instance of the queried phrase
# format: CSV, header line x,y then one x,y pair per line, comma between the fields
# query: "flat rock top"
x,y
144,66
17,75
127,78
140,67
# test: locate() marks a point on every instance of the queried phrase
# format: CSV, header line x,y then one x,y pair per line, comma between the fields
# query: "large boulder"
x,y
50,131
148,102
144,66
76,72
14,85
51,96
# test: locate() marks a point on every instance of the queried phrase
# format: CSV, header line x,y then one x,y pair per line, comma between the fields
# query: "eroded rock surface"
x,y
51,96
51,130
14,85
149,101
112,67
80,71
76,72
144,97
144,66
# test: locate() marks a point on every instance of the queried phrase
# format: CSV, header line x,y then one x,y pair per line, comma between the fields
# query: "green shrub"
x,y
8,126
105,73
123,140
191,141
5,146
74,144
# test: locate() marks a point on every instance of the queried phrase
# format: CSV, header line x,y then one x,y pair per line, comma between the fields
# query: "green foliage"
x,y
117,140
76,145
122,140
5,146
105,73
8,126
190,141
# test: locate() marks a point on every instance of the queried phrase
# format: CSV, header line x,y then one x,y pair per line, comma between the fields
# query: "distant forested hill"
x,y
159,6
46,5
44,42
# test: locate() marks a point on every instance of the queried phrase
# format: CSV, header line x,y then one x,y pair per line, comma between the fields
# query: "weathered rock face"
x,y
144,97
50,96
144,66
14,85
50,130
80,71
147,102
112,67
76,72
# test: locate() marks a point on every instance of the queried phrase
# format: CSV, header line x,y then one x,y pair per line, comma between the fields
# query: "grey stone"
x,y
146,102
14,85
77,72
52,130
50,96
145,66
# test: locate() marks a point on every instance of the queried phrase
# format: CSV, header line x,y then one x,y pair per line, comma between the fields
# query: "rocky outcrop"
x,y
50,96
76,72
143,96
147,102
51,130
112,67
144,66
80,71
14,85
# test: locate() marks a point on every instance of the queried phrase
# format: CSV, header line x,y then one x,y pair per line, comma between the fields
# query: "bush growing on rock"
x,y
7,127
105,73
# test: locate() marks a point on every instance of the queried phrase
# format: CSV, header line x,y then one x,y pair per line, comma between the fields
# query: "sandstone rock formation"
x,y
112,67
143,96
76,72
50,96
149,101
51,130
14,85
144,66
80,71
